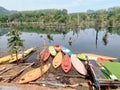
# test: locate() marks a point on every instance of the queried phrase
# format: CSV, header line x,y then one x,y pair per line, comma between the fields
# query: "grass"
x,y
113,67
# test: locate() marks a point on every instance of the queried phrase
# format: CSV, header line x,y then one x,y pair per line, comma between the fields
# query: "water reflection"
x,y
3,31
105,38
79,41
50,37
70,41
96,37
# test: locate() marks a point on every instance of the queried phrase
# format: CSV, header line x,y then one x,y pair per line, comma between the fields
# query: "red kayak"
x,y
44,54
57,47
66,63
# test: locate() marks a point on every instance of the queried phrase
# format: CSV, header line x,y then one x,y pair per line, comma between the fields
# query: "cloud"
x,y
70,5
56,4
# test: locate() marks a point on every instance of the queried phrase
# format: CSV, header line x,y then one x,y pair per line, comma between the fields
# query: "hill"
x,y
4,11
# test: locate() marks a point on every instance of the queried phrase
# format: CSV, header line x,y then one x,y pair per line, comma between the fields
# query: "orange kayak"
x,y
66,63
57,60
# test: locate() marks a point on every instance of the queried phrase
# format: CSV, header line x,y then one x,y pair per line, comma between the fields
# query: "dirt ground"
x,y
55,79
14,86
52,76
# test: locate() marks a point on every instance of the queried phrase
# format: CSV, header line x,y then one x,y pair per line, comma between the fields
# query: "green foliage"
x,y
14,40
101,18
3,18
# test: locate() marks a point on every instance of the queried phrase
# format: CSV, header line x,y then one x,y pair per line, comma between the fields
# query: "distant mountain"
x,y
90,11
4,11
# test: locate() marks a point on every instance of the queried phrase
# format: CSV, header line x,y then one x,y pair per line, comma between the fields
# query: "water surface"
x,y
87,40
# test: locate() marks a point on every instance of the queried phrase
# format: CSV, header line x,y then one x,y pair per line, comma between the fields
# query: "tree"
x,y
14,42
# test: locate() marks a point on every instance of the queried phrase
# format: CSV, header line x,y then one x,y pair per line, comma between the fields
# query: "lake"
x,y
87,40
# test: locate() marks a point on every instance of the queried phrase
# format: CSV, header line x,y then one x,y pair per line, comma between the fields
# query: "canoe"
x,y
12,58
44,54
78,65
52,50
57,47
99,59
107,72
57,60
66,50
66,63
34,74
96,56
113,67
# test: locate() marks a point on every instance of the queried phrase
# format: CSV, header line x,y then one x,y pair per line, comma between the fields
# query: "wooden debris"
x,y
73,76
107,81
3,68
13,77
55,84
7,69
4,76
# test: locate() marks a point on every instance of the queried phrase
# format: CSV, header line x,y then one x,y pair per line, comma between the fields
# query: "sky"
x,y
70,5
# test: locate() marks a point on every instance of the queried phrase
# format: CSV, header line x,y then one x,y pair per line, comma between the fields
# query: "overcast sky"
x,y
70,5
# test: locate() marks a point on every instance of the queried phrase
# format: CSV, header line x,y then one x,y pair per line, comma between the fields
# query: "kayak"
x,y
66,50
12,58
97,57
57,60
57,47
52,50
66,63
113,67
81,57
78,65
26,52
44,54
20,56
34,74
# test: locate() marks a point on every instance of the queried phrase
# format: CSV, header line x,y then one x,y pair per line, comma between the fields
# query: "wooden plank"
x,y
107,81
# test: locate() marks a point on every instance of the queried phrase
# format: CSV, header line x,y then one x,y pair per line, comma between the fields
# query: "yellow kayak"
x,y
57,60
34,74
12,58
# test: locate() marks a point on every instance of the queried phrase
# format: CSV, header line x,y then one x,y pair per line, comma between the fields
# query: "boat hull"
x,y
34,74
66,63
78,65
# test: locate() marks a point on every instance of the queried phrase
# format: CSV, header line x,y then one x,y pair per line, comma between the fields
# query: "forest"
x,y
55,17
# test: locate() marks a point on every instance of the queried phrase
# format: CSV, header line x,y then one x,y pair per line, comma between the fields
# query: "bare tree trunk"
x,y
17,56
